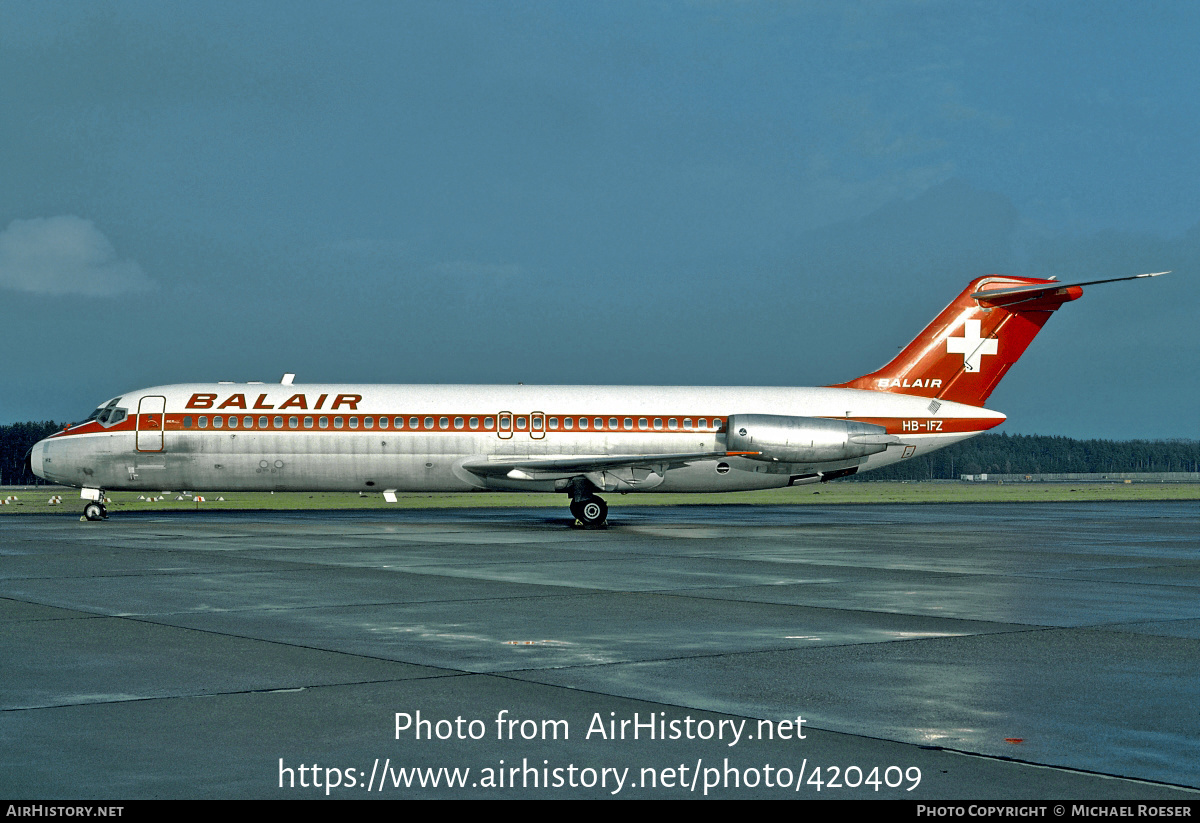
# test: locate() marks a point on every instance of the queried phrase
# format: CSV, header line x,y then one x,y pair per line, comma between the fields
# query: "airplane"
x,y
573,440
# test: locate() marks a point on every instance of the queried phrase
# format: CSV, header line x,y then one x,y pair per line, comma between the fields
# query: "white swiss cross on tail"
x,y
971,345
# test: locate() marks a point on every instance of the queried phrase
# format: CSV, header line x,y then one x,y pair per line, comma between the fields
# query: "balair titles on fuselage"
x,y
207,400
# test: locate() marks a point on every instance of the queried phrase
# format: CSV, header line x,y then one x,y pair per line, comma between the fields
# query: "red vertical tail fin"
x,y
962,355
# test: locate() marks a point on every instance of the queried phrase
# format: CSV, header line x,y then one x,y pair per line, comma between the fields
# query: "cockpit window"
x,y
108,414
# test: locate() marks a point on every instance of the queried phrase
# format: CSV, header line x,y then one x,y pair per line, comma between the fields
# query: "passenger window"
x,y
488,423
247,422
658,424
458,422
672,424
569,422
337,422
202,421
262,422
474,422
642,424
308,422
687,424
293,422
279,422
398,423
369,423
702,423
354,422
414,423
522,423
612,423
323,422
553,422
429,422
218,422
537,423
505,422
628,423
187,422
443,422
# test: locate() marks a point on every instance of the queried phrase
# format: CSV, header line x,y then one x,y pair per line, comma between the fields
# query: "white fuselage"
x,y
433,438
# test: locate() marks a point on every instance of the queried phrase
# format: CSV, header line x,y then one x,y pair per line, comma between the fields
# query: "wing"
x,y
557,468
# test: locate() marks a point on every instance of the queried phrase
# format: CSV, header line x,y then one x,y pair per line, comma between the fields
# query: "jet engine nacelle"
x,y
804,439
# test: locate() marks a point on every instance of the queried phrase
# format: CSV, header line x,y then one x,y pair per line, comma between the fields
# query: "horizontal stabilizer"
x,y
1021,294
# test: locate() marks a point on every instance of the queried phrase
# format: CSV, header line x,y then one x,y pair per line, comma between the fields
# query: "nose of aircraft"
x,y
36,461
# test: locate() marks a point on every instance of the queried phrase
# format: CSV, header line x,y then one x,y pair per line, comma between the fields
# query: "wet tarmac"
x,y
933,652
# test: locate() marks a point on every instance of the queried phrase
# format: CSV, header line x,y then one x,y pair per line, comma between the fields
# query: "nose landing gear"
x,y
95,511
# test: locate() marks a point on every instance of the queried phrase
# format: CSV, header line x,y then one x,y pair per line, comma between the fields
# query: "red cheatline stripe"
x,y
519,423
174,422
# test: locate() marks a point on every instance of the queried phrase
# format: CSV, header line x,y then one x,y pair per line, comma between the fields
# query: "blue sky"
x,y
714,193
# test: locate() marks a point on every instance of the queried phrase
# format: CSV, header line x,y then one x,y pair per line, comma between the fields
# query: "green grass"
x,y
31,501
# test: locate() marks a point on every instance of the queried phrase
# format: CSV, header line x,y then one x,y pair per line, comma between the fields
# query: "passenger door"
x,y
150,423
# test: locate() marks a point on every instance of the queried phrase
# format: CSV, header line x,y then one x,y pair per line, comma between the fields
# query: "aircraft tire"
x,y
592,512
94,511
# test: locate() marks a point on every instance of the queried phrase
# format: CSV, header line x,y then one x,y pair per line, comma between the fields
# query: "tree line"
x,y
1040,454
987,453
15,441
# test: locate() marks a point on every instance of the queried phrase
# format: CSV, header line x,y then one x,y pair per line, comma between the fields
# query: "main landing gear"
x,y
589,510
